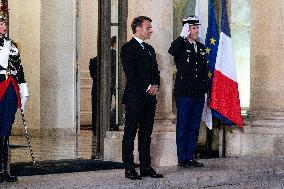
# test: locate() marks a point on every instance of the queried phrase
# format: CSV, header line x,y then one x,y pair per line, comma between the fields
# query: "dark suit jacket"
x,y
93,73
140,67
113,71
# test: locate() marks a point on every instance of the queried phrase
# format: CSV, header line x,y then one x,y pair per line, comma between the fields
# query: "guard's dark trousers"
x,y
8,109
189,112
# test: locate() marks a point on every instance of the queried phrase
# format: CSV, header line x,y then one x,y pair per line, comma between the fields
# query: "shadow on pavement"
x,y
62,166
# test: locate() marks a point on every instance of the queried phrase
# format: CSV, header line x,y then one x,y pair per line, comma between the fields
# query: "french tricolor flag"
x,y
225,95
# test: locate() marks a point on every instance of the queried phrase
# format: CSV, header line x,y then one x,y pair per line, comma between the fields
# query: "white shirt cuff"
x,y
148,88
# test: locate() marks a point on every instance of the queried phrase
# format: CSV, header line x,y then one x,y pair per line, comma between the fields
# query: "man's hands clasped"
x,y
153,90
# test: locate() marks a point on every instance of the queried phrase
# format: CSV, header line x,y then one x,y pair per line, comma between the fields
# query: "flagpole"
x,y
209,140
211,43
223,139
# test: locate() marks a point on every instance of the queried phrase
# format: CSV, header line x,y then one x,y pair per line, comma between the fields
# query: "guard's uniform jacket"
x,y
11,70
192,70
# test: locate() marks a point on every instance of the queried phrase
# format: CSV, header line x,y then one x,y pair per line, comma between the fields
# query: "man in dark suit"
x,y
143,78
113,65
93,73
113,125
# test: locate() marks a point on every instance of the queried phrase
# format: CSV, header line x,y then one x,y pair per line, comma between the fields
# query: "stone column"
x,y
58,67
264,135
267,62
23,28
267,65
88,49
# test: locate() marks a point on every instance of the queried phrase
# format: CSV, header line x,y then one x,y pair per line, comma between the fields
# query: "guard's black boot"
x,y
1,161
1,178
6,176
195,163
9,178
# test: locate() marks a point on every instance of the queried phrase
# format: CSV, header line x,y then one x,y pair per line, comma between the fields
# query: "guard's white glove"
x,y
185,31
24,95
23,102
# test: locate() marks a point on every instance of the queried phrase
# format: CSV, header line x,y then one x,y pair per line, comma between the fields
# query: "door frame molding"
x,y
104,58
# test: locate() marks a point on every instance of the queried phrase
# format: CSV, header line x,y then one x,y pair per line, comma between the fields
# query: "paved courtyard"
x,y
217,173
247,172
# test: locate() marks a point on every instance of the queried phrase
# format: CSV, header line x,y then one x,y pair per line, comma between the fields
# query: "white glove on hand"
x,y
24,100
24,94
185,31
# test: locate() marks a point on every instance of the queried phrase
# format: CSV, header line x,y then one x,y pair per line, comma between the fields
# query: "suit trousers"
x,y
94,105
189,113
8,109
139,115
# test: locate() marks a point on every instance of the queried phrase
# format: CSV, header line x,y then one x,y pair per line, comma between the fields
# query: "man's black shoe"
x,y
150,172
183,164
195,163
9,178
132,174
1,178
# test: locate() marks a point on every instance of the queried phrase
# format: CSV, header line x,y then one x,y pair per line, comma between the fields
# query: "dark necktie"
x,y
145,48
144,45
195,47
1,42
